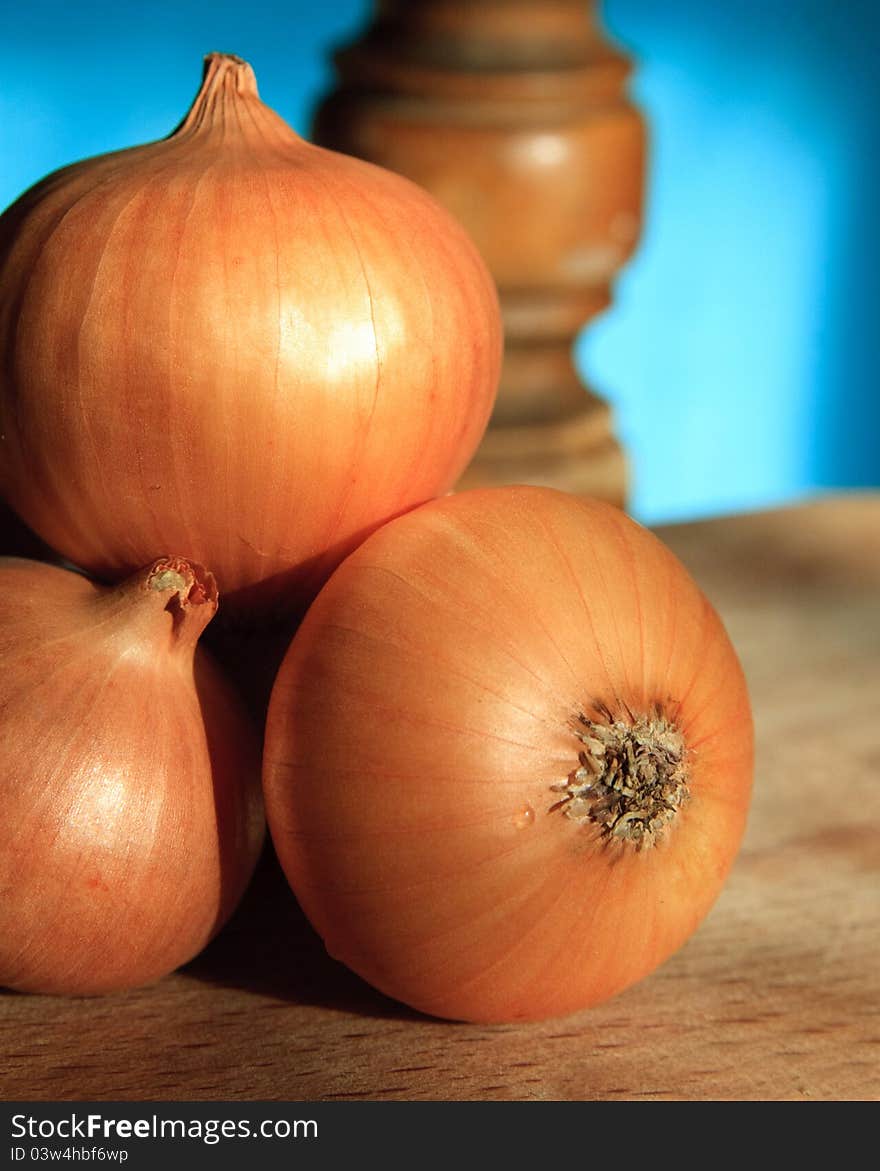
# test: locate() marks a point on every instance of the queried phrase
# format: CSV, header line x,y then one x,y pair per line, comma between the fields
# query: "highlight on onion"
x,y
129,778
237,344
508,756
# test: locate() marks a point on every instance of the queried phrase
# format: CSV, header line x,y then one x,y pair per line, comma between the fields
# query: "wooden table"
x,y
777,996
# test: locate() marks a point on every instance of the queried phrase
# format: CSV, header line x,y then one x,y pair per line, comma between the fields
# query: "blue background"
x,y
741,354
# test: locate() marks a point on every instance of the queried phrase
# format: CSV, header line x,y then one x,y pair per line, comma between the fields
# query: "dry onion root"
x,y
129,778
236,344
508,757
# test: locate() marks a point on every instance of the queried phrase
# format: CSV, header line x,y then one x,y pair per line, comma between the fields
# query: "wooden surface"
x,y
777,996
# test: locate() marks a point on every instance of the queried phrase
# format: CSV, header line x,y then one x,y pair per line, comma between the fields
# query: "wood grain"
x,y
777,996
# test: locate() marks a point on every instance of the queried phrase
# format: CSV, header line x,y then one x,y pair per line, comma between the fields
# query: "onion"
x,y
236,344
129,778
508,756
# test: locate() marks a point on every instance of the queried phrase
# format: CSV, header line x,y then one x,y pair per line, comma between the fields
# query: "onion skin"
x,y
312,336
421,725
129,776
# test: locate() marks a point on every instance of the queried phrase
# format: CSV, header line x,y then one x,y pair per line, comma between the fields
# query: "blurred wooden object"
x,y
513,114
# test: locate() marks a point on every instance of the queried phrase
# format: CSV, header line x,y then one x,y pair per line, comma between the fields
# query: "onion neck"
x,y
167,604
228,106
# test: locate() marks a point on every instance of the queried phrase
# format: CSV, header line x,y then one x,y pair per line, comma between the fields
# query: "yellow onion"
x,y
129,778
508,756
237,344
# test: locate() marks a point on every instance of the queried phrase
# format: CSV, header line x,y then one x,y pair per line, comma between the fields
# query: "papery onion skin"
x,y
424,719
238,344
129,779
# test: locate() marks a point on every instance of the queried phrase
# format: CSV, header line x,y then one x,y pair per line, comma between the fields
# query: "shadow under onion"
x,y
269,947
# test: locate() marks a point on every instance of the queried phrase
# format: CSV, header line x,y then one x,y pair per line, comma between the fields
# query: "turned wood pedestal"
x,y
513,114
